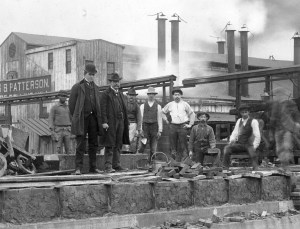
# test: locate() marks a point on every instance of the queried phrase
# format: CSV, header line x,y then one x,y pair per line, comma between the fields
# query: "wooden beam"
x,y
242,75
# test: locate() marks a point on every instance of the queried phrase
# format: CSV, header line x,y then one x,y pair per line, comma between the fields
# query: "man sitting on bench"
x,y
244,138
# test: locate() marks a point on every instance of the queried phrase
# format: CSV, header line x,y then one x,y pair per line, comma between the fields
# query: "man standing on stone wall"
x,y
60,123
152,122
182,118
115,124
135,119
84,105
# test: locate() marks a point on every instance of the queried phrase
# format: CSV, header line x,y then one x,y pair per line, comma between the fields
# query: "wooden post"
x,y
164,99
171,89
238,93
41,109
8,113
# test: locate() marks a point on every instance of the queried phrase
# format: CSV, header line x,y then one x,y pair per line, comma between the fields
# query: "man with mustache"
x,y
182,118
202,138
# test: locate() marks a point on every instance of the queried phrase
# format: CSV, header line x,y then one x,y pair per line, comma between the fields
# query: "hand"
x,y
167,121
105,126
158,134
187,126
191,154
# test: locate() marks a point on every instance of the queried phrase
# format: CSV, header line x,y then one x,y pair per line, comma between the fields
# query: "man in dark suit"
x,y
115,124
84,106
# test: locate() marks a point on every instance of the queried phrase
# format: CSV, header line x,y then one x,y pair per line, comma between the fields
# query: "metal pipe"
x,y
175,45
231,58
296,86
244,57
221,46
161,44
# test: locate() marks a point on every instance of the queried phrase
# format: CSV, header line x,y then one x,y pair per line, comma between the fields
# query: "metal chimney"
x,y
231,58
296,87
161,42
244,58
175,44
221,46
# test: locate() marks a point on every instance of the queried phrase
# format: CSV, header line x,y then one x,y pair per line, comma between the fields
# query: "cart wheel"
x,y
25,164
3,165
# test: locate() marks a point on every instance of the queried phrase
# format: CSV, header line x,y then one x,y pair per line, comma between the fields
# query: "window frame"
x,y
68,61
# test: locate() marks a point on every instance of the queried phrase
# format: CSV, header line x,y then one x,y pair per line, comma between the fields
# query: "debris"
x,y
264,214
236,219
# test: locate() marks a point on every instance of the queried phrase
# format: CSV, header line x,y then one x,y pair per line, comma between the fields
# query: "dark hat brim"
x,y
203,113
244,107
132,94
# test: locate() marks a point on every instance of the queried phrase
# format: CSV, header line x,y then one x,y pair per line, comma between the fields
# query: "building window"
x,y
50,61
68,61
110,69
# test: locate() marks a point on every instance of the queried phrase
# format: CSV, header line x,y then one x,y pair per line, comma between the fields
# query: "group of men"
x,y
118,119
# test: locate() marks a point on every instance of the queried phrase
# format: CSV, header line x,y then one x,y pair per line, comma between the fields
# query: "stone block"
x,y
130,198
83,201
173,195
210,192
244,190
275,188
29,205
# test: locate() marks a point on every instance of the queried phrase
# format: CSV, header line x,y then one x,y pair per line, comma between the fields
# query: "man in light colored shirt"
x,y
244,138
152,122
182,118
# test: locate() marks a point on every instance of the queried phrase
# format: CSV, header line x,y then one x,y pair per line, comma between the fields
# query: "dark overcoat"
x,y
109,116
76,105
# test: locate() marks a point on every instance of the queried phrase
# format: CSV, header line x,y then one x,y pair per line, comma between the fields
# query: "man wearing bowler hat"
x,y
202,138
152,122
134,117
115,123
60,123
182,118
84,105
244,138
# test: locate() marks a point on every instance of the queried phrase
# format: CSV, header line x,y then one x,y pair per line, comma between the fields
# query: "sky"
x,y
272,23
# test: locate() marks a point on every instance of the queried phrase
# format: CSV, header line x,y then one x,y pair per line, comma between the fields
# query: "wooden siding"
x,y
100,52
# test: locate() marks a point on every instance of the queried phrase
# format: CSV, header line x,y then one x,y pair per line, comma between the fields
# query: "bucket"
x,y
156,164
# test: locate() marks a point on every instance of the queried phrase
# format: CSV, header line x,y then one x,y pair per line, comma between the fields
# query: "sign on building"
x,y
25,86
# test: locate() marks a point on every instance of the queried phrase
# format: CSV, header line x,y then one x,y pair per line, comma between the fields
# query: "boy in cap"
x,y
202,138
84,105
115,124
182,118
244,138
60,122
152,122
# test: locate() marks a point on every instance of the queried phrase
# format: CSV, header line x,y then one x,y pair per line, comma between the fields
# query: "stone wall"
x,y
83,201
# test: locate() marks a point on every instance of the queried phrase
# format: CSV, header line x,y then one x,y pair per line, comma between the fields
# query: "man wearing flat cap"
x,y
134,117
60,123
115,124
244,138
152,122
202,138
182,118
84,105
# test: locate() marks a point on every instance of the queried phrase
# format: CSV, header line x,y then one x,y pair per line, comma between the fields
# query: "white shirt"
x,y
180,112
159,117
255,131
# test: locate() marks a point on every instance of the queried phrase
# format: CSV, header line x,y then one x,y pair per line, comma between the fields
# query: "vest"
x,y
150,113
132,111
245,132
202,135
89,100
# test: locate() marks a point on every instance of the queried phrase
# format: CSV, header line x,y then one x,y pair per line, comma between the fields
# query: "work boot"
x,y
77,172
109,170
95,171
120,169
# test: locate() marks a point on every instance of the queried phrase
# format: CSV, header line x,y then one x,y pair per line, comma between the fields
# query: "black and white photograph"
x,y
149,114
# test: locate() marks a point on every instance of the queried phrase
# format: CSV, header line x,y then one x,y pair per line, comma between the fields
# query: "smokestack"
x,y
221,46
231,58
161,42
296,87
244,58
175,44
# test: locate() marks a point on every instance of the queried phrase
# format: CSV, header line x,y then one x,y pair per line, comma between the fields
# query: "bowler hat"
x,y
131,91
90,68
63,93
244,107
203,113
177,89
114,77
151,90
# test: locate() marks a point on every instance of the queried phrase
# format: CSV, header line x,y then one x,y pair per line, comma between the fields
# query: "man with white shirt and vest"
x,y
115,124
182,118
244,138
152,122
84,106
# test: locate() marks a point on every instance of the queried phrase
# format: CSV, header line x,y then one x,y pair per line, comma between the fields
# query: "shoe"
x,y
109,170
96,171
120,169
77,172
